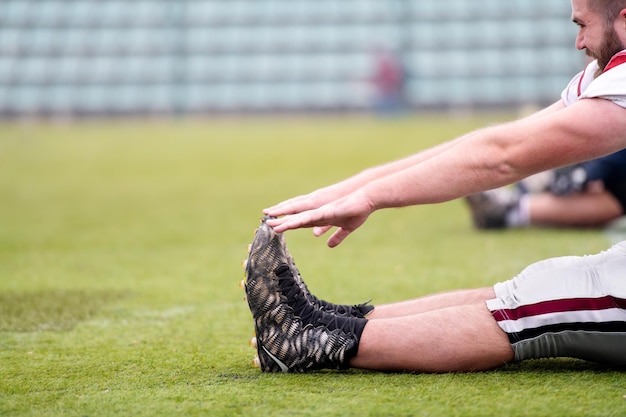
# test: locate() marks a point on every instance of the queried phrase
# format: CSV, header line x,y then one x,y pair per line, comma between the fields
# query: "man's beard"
x,y
608,49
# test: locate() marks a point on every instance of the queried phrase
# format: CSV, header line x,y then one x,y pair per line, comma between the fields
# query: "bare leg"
x,y
461,338
432,302
589,209
294,335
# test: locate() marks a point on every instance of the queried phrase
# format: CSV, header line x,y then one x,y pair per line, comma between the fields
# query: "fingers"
x,y
275,224
302,203
318,219
296,222
347,214
285,223
320,230
338,237
291,206
279,209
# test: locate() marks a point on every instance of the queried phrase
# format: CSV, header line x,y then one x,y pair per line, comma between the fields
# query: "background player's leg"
x,y
589,209
432,302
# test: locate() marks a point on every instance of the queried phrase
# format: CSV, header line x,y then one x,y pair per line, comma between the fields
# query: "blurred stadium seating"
x,y
83,57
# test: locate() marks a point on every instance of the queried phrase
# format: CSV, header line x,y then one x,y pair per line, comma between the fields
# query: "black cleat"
x,y
292,334
490,208
357,310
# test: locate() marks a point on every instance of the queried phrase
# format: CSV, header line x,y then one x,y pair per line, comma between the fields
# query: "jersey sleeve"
x,y
571,94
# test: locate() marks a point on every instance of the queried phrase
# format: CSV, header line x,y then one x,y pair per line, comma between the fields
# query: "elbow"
x,y
511,158
507,172
508,167
513,167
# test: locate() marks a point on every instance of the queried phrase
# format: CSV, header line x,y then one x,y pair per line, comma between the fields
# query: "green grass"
x,y
120,257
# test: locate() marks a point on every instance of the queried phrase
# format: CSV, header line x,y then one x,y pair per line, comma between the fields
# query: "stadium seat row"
x,y
116,12
289,38
425,64
485,91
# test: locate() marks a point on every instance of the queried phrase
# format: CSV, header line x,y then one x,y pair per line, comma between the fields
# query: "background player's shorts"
x,y
572,306
617,190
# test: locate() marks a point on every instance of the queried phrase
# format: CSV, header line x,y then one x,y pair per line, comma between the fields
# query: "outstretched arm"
x,y
341,189
484,159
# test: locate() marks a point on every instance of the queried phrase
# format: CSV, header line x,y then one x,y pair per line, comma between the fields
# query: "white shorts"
x,y
572,306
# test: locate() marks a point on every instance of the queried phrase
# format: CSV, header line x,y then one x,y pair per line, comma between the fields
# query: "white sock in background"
x,y
519,216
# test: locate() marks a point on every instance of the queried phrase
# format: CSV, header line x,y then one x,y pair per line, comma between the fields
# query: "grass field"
x,y
120,256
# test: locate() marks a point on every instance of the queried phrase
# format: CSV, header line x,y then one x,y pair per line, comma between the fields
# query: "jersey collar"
x,y
618,59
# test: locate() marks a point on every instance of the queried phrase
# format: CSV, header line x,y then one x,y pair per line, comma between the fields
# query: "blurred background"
x,y
77,58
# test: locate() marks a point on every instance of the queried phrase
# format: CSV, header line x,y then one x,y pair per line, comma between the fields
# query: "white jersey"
x,y
610,85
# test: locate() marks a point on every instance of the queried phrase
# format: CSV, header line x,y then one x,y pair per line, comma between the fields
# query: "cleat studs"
x,y
256,362
249,247
244,263
253,342
245,298
242,284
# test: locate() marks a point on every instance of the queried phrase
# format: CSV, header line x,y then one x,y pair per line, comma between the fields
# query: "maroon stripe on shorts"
x,y
559,306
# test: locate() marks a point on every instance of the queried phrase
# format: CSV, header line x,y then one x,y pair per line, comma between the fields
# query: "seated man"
x,y
590,194
567,306
546,311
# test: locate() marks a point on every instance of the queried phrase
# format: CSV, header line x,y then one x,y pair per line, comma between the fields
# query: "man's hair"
x,y
608,9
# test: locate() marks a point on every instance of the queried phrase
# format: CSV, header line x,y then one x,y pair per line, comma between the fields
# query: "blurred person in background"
x,y
585,195
388,81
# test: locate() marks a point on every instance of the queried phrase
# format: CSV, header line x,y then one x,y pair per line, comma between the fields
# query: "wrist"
x,y
371,195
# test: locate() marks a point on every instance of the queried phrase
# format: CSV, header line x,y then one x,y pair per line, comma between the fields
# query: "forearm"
x,y
491,158
381,171
355,183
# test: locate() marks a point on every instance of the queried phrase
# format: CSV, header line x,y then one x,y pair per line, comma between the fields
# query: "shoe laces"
x,y
308,314
356,310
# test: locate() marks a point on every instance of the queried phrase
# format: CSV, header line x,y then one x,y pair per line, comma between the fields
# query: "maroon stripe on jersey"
x,y
617,59
560,306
